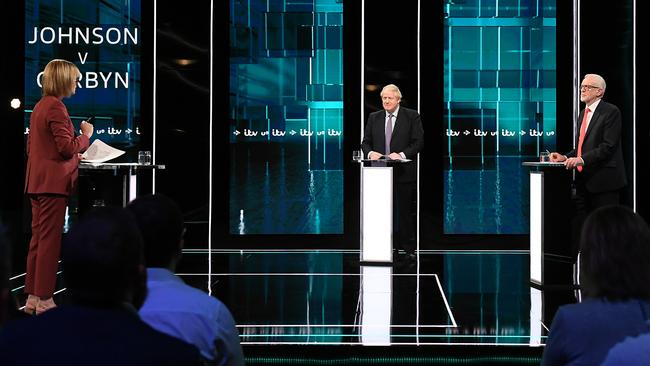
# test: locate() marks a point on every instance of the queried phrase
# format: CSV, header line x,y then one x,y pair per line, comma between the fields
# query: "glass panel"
x,y
103,39
499,95
286,117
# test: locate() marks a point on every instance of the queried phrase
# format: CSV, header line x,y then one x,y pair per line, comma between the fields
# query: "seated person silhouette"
x,y
615,252
104,274
633,351
171,306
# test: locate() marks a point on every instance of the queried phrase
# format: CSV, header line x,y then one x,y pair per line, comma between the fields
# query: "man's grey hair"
x,y
599,80
393,88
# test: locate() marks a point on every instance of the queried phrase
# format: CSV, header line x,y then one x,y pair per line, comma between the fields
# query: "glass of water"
x,y
144,157
544,157
356,155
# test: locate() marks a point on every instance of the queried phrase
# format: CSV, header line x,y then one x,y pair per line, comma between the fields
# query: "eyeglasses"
x,y
588,87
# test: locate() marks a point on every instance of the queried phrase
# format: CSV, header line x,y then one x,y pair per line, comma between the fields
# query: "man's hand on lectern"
x,y
375,155
395,156
572,163
557,157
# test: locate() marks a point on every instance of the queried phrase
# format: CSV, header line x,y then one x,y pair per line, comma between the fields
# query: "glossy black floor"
x,y
440,299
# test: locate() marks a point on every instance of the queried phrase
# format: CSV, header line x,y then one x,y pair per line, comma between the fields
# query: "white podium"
x,y
549,214
377,210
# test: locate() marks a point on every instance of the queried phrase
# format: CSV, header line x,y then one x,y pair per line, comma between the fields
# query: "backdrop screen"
x,y
286,117
103,39
499,110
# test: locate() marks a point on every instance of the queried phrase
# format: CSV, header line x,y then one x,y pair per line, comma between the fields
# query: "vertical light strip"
x,y
210,153
363,62
309,139
363,53
498,77
521,93
311,85
536,315
478,75
449,85
417,213
155,75
536,234
133,185
634,105
478,81
576,66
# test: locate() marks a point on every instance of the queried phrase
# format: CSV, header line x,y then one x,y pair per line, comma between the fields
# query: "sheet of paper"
x,y
99,152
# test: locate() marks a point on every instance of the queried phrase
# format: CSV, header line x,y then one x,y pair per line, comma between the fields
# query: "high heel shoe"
x,y
45,305
31,304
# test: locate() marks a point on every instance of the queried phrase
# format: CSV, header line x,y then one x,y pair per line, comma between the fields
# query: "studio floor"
x,y
448,299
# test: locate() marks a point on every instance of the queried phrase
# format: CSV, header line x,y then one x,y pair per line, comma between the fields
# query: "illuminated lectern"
x,y
550,214
377,209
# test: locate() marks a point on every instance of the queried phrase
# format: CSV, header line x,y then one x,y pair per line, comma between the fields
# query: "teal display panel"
x,y
499,110
104,40
286,117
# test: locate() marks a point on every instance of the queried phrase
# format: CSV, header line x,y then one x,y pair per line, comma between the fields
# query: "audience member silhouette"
x,y
615,252
104,274
172,306
633,351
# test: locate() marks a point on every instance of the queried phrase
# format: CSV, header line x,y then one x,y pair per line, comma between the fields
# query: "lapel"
x,y
595,119
382,123
578,126
381,126
398,125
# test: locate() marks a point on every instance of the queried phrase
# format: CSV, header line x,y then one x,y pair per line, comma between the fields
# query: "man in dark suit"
x,y
103,269
396,133
598,157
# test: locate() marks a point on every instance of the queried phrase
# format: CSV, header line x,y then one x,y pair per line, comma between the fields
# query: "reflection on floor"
x,y
327,297
486,196
443,298
271,182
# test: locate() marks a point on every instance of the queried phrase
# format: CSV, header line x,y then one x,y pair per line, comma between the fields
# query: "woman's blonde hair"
x,y
59,78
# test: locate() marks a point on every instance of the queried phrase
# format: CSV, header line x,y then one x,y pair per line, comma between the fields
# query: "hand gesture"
x,y
87,128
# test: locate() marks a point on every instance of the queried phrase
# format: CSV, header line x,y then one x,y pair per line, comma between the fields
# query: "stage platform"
x,y
441,307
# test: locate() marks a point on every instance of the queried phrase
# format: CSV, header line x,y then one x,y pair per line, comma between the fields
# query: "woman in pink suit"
x,y
52,163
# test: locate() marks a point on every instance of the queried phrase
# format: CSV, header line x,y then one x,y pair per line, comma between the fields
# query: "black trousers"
x,y
403,212
584,203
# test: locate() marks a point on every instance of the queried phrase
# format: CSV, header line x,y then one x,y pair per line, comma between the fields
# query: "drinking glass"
x,y
144,157
356,155
544,157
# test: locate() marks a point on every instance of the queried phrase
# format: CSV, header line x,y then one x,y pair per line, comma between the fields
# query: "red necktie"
x,y
583,129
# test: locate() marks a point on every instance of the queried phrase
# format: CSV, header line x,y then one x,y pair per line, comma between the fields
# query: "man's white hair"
x,y
599,79
393,88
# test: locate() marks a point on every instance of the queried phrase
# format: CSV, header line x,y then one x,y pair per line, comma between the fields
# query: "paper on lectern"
x,y
99,152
